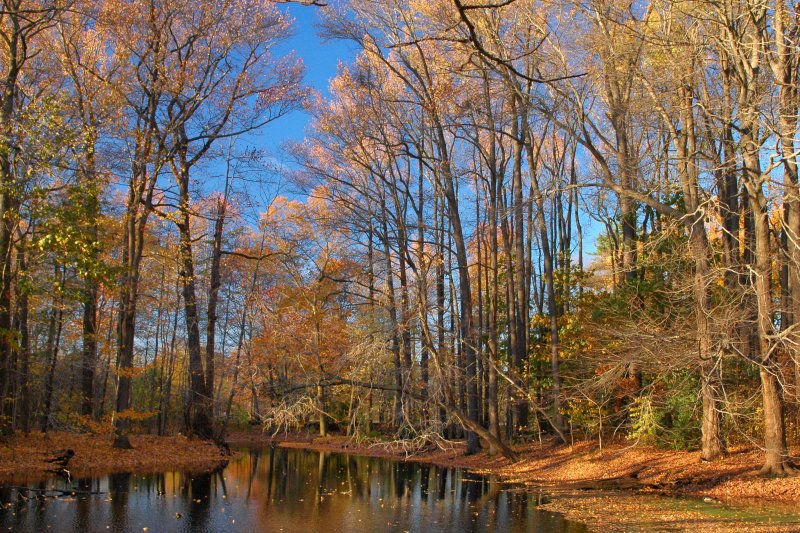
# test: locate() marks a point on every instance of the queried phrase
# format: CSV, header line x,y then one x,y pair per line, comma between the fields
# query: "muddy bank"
x,y
25,458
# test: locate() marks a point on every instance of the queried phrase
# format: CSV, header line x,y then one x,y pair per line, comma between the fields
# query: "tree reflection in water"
x,y
276,489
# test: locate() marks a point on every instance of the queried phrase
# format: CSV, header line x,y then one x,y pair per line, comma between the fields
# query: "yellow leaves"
x,y
435,11
169,216
653,21
103,427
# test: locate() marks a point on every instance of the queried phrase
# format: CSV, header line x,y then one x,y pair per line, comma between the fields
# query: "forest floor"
x,y
25,458
617,488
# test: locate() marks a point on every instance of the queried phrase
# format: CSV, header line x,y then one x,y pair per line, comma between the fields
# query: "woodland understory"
x,y
509,221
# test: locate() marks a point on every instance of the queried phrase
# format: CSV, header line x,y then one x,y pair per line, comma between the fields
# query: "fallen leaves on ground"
x,y
25,457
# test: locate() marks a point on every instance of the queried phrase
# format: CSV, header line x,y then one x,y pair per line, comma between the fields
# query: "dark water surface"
x,y
276,489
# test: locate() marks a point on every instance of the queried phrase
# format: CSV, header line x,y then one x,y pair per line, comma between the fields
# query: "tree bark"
x,y
199,399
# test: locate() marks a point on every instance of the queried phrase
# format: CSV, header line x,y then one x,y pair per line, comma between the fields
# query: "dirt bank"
x,y
25,457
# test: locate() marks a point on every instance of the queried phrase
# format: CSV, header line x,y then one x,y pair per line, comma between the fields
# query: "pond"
x,y
277,489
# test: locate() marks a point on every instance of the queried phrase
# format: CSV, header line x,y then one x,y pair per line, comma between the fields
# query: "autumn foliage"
x,y
508,221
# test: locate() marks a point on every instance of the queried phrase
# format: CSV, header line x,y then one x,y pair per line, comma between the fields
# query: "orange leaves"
x,y
301,313
25,456
133,415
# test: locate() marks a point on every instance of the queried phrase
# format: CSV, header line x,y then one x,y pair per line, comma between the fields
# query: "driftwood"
x,y
60,461
61,458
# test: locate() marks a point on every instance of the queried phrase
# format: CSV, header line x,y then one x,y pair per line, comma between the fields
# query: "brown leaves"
x,y
24,457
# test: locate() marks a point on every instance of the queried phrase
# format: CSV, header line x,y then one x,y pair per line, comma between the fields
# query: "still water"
x,y
276,489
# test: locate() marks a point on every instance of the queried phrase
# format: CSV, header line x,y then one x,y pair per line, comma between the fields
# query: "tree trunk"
x,y
776,460
15,56
550,285
53,343
393,325
24,414
466,327
213,297
199,397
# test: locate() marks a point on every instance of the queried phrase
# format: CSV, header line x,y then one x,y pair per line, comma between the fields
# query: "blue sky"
x,y
321,59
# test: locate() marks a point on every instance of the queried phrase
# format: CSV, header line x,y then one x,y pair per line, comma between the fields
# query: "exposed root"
x,y
784,469
419,443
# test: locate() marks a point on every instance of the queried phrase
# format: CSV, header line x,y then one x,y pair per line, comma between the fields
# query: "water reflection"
x,y
277,489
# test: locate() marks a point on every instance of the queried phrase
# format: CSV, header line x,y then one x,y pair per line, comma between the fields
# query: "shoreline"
x,y
614,489
583,466
619,488
25,458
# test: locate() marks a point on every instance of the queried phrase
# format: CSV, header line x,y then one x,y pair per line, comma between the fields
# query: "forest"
x,y
509,221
